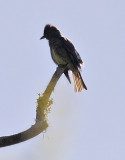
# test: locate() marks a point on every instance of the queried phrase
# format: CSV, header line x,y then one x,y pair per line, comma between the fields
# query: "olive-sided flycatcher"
x,y
63,52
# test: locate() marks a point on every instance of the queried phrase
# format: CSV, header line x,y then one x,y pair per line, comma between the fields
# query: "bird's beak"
x,y
42,37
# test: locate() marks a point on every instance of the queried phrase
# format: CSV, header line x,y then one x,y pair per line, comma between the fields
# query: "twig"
x,y
43,105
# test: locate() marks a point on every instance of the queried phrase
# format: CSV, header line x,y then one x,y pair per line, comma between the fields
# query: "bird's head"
x,y
50,32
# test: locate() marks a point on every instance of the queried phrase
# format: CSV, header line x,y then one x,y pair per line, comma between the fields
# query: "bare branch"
x,y
43,106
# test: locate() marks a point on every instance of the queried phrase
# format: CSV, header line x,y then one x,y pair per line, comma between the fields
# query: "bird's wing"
x,y
74,55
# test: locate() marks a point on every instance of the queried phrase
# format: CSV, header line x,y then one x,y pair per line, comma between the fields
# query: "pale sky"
x,y
86,126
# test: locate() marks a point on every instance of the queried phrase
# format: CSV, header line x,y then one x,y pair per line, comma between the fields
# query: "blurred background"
x,y
89,125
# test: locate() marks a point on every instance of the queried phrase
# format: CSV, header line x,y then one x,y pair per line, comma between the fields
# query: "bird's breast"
x,y
58,56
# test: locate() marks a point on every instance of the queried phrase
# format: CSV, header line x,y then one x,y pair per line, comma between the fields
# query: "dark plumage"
x,y
63,52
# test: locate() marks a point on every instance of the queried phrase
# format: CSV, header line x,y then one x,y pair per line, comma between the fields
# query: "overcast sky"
x,y
86,126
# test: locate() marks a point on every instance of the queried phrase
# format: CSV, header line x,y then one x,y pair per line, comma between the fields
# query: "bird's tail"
x,y
79,84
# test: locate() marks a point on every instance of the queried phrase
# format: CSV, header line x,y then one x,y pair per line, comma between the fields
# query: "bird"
x,y
64,53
